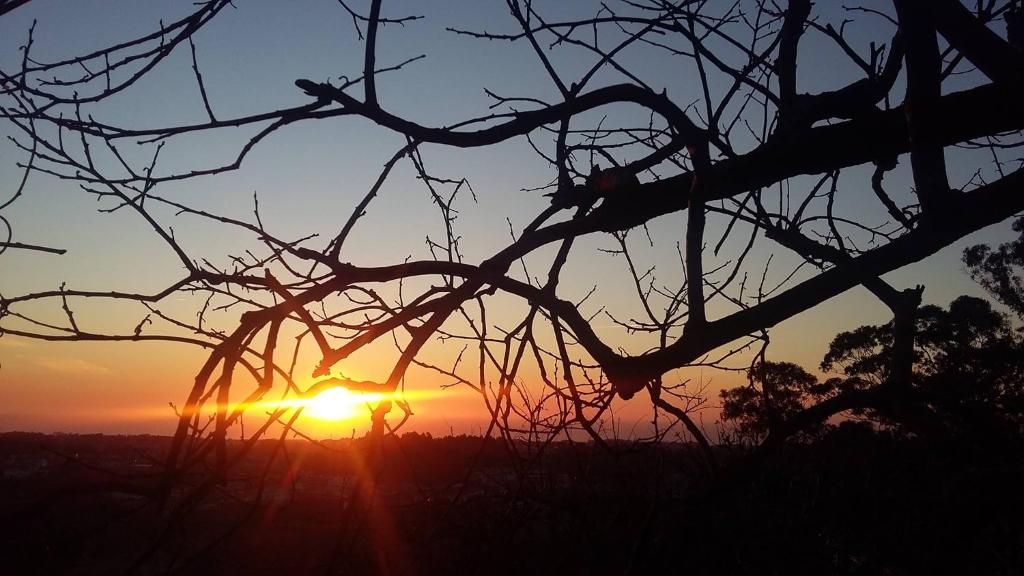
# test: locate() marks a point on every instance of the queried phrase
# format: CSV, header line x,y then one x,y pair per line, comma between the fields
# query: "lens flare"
x,y
335,404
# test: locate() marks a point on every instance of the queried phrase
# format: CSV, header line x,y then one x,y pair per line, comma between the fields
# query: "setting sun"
x,y
338,403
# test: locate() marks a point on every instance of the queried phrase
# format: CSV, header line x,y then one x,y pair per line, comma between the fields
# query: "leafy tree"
x,y
777,390
968,364
999,271
968,374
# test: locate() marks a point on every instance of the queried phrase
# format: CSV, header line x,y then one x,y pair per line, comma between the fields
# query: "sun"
x,y
338,403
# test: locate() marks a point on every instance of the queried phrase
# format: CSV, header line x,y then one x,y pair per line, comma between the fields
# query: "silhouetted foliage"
x,y
968,364
777,391
999,270
968,371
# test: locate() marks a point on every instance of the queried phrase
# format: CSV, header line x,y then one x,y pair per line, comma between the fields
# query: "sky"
x,y
308,177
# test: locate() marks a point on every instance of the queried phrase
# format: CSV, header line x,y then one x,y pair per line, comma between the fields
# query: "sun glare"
x,y
336,404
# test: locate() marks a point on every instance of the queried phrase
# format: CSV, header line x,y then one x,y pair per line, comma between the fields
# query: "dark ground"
x,y
853,502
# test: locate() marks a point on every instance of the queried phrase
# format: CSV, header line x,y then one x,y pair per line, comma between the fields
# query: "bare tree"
x,y
757,166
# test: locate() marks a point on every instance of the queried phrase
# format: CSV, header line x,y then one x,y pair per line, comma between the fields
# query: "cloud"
x,y
72,366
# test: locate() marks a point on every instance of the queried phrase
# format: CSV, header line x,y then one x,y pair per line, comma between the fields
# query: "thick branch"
x,y
983,47
924,69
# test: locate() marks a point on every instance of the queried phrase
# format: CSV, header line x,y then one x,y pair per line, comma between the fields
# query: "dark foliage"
x,y
777,390
968,364
999,270
968,372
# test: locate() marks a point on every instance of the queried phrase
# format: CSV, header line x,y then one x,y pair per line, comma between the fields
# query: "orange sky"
x,y
127,387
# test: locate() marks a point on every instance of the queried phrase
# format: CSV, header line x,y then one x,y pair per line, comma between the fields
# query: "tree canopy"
x,y
999,270
968,378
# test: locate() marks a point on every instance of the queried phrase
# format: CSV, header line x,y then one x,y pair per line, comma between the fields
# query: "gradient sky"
x,y
309,176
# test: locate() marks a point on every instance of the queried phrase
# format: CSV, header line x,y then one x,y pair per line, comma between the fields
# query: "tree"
x,y
749,164
998,271
968,368
967,380
777,391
